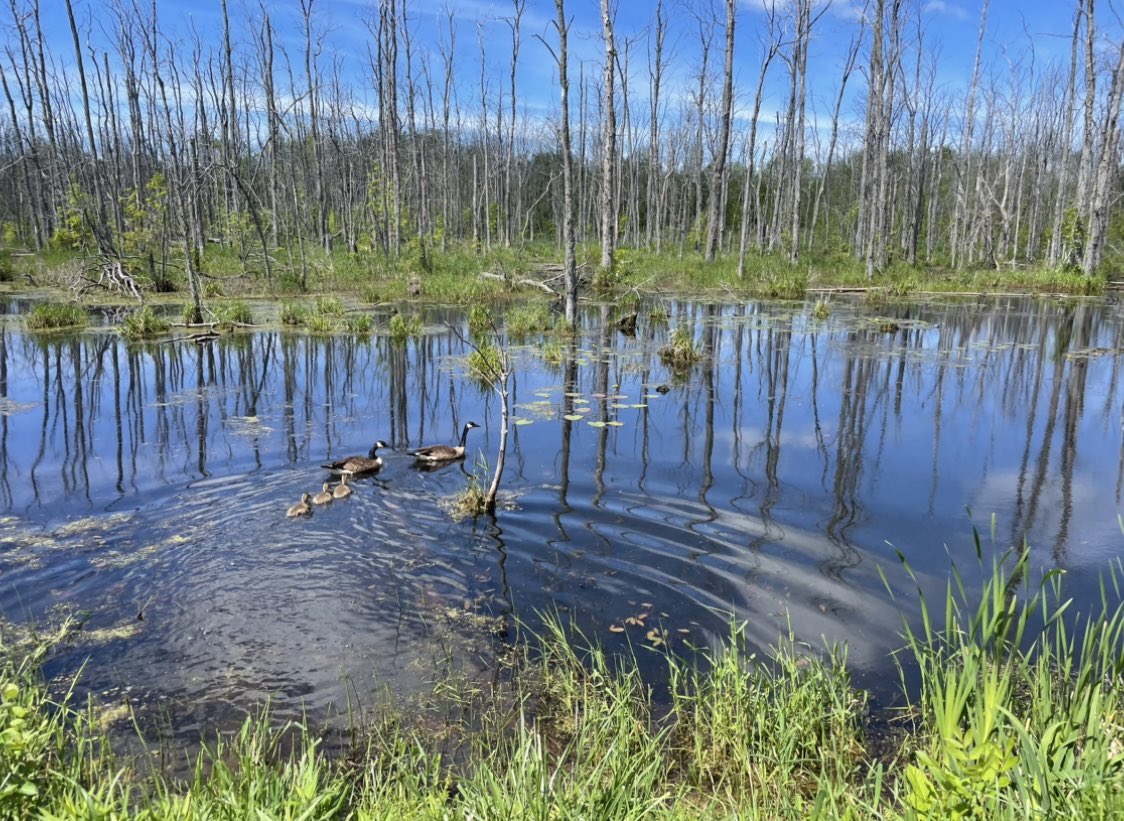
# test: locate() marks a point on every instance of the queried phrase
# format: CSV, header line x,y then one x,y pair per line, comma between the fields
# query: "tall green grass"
x,y
1020,710
1018,715
52,316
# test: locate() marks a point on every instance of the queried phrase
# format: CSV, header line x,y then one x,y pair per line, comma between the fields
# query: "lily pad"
x,y
573,417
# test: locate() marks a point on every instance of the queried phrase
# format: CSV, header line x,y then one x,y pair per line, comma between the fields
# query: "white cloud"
x,y
940,7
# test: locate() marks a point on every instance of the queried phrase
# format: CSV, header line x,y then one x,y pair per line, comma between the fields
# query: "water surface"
x,y
143,488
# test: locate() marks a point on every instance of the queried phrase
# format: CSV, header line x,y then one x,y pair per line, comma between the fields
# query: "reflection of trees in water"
x,y
167,413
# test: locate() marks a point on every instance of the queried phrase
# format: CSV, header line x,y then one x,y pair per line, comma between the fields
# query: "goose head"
x,y
374,452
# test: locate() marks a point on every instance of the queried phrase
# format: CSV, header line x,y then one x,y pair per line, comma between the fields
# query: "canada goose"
x,y
323,497
443,453
342,491
355,465
301,508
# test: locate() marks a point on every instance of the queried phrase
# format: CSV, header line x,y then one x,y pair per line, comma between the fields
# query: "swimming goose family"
x,y
353,466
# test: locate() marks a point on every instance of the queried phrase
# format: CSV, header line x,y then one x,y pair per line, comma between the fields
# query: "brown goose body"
x,y
301,508
443,453
357,465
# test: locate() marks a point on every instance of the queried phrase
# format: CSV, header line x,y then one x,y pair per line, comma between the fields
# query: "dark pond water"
x,y
144,489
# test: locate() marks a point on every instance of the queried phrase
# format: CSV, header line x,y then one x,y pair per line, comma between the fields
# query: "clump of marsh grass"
x,y
144,324
524,320
486,362
52,316
822,309
292,314
360,324
403,327
233,313
480,321
680,352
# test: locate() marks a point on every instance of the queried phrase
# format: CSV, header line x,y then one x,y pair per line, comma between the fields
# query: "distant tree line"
x,y
154,142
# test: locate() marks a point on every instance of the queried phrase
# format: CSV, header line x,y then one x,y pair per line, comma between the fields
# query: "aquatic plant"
x,y
480,320
403,327
358,324
144,324
236,312
524,320
680,351
51,316
328,306
486,361
292,313
822,309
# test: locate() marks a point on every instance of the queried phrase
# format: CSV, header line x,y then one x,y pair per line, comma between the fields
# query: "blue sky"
x,y
1015,30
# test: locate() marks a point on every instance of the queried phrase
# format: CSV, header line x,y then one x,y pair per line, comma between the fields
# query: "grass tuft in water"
x,y
403,327
54,315
144,324
680,352
525,320
233,313
486,362
822,309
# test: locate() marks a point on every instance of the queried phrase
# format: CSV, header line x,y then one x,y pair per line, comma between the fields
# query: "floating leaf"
x,y
615,628
620,405
572,417
597,423
639,405
524,421
615,424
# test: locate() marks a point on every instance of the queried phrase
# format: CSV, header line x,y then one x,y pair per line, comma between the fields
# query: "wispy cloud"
x,y
940,7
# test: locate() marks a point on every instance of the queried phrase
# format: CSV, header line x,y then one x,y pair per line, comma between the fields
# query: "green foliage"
x,y
1020,712
552,353
54,315
144,324
486,362
329,306
321,325
402,327
524,320
480,321
71,230
292,314
680,351
7,269
235,312
1019,716
359,324
822,309
659,313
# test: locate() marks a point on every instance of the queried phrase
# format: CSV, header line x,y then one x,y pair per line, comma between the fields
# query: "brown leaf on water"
x,y
615,628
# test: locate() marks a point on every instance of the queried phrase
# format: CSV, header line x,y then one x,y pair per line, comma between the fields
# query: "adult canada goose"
x,y
443,453
342,491
301,508
324,496
356,465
